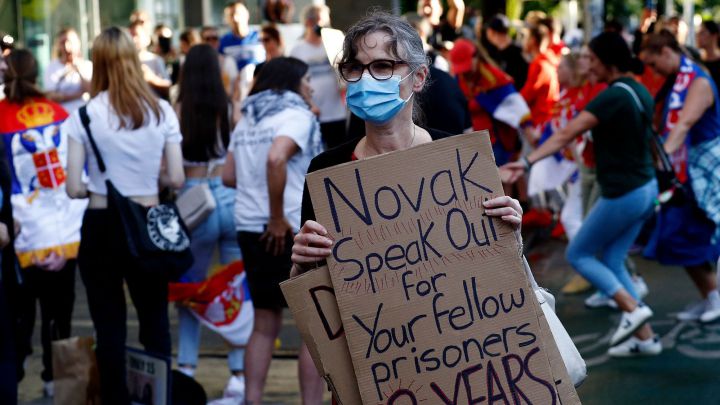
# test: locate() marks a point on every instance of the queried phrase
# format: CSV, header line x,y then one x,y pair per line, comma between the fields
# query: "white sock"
x,y
188,371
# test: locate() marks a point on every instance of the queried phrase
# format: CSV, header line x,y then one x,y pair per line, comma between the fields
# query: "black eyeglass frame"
x,y
366,66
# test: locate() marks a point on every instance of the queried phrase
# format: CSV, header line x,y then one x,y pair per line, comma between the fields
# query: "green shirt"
x,y
622,138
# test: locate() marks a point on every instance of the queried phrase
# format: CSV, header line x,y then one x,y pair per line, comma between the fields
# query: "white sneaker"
x,y
188,371
48,389
599,300
692,311
640,286
631,322
635,347
235,388
712,310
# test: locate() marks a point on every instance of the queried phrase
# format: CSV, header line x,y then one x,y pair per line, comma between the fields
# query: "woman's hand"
x,y
274,237
507,208
312,244
511,172
52,262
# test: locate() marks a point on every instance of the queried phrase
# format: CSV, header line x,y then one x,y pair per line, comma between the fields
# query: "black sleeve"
x,y
307,212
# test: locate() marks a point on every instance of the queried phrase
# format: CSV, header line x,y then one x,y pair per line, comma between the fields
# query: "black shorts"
x,y
264,271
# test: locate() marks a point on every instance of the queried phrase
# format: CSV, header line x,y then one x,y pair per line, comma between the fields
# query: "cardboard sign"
x,y
432,293
311,299
148,378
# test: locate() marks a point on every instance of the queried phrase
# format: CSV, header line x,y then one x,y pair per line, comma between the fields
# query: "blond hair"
x,y
116,69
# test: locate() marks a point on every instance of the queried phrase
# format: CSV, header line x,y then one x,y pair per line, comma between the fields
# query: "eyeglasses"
x,y
210,38
381,69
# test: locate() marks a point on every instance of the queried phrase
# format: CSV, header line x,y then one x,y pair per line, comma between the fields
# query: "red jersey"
x,y
541,89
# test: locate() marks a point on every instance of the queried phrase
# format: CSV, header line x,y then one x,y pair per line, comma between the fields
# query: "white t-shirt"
x,y
132,157
323,80
155,63
250,145
62,79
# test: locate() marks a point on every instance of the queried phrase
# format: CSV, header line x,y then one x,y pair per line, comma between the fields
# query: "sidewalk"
x,y
687,372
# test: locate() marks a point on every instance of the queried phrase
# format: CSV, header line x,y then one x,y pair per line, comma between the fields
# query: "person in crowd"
x,y
153,66
541,87
67,77
278,11
446,25
47,244
494,103
442,102
203,109
424,28
9,277
8,280
162,44
508,56
326,90
620,118
556,45
139,138
142,17
368,46
269,153
686,233
228,68
241,43
272,42
188,38
708,40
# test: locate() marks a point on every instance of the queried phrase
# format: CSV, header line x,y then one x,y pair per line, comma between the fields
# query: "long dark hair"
x,y
21,77
612,50
204,106
280,74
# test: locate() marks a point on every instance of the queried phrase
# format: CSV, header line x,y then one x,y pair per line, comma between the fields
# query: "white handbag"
x,y
574,363
195,205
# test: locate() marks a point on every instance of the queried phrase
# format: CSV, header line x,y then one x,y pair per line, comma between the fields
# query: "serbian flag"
x,y
222,303
495,93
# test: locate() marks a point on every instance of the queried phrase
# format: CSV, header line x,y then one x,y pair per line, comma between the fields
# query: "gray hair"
x,y
405,43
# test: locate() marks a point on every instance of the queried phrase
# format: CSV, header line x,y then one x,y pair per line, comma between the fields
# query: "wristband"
x,y
526,163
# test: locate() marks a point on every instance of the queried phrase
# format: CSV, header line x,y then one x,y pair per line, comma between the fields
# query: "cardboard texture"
x,y
432,293
311,299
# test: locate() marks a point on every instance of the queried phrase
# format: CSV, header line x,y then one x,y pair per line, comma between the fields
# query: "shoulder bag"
x,y
156,236
672,191
571,357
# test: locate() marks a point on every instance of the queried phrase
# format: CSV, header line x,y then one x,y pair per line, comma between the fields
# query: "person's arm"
x,y
278,227
228,170
74,187
699,99
455,13
173,174
585,121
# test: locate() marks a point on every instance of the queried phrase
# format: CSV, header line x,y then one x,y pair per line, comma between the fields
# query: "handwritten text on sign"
x,y
431,291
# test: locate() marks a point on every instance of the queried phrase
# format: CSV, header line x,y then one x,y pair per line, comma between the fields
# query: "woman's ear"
x,y
421,75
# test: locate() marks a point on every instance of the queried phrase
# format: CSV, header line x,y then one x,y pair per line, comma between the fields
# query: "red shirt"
x,y
541,89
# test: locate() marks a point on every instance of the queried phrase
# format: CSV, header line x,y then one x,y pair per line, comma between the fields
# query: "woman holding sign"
x,y
384,65
620,118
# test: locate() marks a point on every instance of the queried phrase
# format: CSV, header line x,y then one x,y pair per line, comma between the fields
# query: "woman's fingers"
x,y
508,209
313,227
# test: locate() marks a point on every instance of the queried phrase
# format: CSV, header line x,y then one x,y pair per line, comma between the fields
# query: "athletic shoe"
x,y
599,300
635,347
48,389
712,310
630,322
640,286
692,311
576,285
235,388
187,370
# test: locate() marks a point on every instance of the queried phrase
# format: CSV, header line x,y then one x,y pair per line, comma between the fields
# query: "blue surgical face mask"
x,y
376,101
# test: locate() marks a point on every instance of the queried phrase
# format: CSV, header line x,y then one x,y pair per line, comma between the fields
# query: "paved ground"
x,y
688,371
